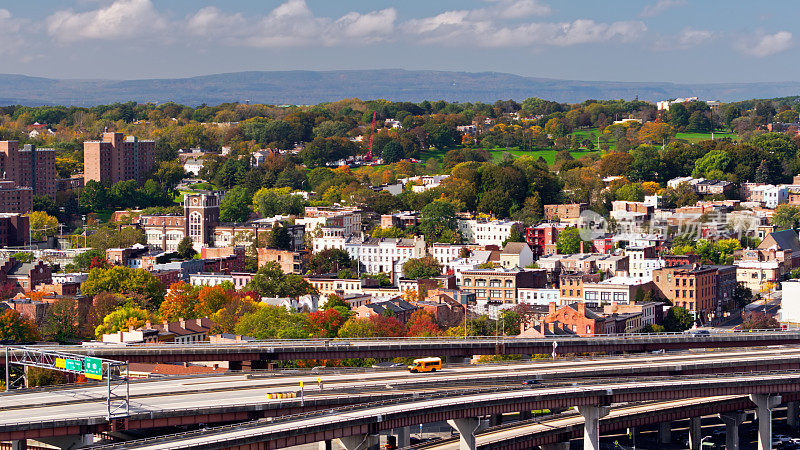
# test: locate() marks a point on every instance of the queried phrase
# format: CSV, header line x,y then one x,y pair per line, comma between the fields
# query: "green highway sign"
x,y
74,365
94,368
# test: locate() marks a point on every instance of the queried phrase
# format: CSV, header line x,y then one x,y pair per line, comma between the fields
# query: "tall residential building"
x,y
29,167
115,159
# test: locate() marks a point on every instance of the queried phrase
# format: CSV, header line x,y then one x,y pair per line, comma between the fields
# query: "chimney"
x,y
581,247
182,321
552,308
148,324
582,309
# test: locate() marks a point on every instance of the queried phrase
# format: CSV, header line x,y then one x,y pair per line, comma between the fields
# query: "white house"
x,y
538,296
193,166
445,254
485,232
385,255
516,254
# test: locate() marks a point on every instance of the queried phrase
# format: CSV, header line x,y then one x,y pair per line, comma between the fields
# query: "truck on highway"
x,y
425,365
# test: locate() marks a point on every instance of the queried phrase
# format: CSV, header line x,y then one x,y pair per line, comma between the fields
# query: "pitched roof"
x,y
784,240
514,248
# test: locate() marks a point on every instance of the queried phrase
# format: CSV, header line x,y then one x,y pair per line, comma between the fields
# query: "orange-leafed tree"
x,y
423,324
180,303
211,299
16,328
326,324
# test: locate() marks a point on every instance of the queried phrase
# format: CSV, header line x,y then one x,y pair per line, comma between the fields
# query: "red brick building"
x,y
113,159
562,212
692,287
542,238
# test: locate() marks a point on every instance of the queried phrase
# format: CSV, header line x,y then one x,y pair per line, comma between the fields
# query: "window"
x,y
494,293
495,283
467,282
619,297
509,283
605,296
590,296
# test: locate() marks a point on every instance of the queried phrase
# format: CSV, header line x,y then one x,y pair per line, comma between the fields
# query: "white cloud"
x,y
119,20
455,28
513,9
761,45
10,37
211,21
293,24
686,39
659,7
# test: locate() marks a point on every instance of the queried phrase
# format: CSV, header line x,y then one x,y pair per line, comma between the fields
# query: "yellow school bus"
x,y
425,365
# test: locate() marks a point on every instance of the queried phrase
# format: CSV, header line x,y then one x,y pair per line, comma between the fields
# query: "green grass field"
x,y
697,137
548,155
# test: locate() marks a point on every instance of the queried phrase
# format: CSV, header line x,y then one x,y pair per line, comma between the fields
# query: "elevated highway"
x,y
565,427
370,419
242,397
255,353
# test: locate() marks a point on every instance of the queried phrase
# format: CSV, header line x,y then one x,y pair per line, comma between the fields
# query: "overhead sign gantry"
x,y
115,373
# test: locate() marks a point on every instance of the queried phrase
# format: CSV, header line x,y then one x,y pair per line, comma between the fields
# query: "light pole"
x,y
84,231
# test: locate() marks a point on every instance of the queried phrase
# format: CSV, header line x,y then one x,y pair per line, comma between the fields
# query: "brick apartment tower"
x,y
115,159
30,167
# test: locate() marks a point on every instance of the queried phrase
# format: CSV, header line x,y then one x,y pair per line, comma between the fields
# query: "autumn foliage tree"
x,y
423,324
326,324
373,326
16,328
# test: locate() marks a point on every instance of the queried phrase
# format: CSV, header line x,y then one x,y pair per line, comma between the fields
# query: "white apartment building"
x,y
775,195
384,255
348,219
538,296
209,279
445,254
485,232
641,262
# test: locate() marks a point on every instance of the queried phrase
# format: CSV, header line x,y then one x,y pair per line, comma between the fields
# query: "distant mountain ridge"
x,y
311,87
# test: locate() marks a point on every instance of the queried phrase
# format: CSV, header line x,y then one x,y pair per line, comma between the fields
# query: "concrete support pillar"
x,y
525,415
19,444
361,442
665,432
695,433
591,426
633,432
495,420
732,422
326,445
791,414
403,436
466,429
764,404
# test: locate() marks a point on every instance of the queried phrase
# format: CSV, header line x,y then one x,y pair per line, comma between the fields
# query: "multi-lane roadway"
x,y
237,397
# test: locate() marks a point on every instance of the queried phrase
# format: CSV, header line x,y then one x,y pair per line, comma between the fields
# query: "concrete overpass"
x,y
359,425
241,397
560,429
257,354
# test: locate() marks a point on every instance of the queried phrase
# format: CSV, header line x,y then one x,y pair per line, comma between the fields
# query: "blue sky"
x,y
653,40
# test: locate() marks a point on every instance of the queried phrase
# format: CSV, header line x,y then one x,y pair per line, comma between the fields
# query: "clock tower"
x,y
202,216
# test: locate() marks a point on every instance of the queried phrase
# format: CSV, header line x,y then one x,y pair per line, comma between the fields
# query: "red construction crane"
x,y
371,133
